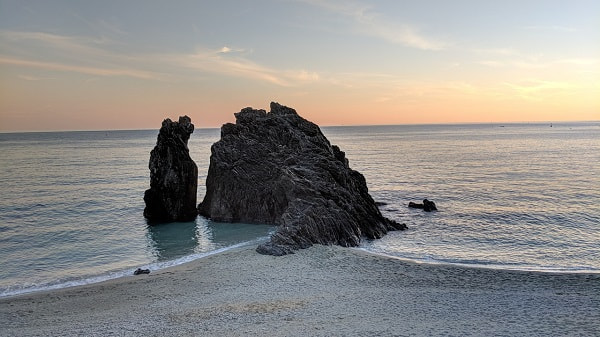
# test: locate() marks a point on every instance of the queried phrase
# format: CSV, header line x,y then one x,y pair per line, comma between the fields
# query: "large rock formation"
x,y
278,168
173,175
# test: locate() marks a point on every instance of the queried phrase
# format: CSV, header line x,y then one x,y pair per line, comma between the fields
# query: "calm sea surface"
x,y
514,196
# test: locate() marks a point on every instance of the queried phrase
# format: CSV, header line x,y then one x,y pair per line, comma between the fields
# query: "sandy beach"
x,y
320,291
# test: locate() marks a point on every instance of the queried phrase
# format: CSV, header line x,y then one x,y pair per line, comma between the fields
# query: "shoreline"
x,y
496,267
322,291
162,265
123,273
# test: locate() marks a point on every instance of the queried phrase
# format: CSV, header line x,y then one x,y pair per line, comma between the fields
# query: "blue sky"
x,y
129,64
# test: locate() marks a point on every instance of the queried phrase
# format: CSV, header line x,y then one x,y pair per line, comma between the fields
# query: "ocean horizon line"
x,y
549,122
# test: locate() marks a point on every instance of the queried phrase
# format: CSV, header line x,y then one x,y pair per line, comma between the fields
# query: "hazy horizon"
x,y
112,65
196,127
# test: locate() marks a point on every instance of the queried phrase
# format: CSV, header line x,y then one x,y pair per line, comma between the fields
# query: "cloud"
x,y
496,51
303,75
221,62
78,69
68,53
532,63
490,63
580,61
101,26
228,50
344,7
509,57
416,91
68,44
33,78
89,56
552,28
371,23
533,89
225,50
214,62
402,34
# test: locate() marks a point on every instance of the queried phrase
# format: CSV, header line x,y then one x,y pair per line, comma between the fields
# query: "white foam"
x,y
60,284
475,264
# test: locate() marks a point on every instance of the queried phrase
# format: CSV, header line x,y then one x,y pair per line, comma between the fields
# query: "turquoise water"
x,y
518,196
71,210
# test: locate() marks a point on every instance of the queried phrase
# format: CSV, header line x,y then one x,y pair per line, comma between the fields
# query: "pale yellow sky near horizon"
x,y
113,65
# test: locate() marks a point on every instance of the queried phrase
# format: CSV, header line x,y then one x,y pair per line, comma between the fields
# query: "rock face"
x,y
278,168
173,175
427,205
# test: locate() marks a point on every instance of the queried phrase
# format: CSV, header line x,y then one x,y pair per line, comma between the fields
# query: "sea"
x,y
509,196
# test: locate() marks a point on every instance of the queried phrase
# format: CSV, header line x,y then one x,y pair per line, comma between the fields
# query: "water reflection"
x,y
173,240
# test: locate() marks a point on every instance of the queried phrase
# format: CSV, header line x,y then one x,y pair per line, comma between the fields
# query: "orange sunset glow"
x,y
114,65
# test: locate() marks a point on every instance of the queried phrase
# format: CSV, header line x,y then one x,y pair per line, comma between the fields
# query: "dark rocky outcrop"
x,y
427,205
278,168
173,175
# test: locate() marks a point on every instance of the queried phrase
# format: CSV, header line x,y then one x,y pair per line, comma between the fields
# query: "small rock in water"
x,y
141,271
415,205
427,205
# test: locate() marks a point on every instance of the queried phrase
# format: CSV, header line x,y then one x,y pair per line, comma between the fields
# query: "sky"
x,y
102,65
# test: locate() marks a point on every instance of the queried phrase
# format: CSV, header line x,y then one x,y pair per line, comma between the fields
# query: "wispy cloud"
x,y
79,69
417,91
303,75
96,57
67,53
534,89
532,63
101,26
496,51
216,62
552,28
225,50
361,79
513,58
33,78
371,23
221,62
229,50
491,63
68,44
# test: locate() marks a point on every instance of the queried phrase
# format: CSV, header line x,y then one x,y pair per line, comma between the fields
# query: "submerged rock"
x,y
278,168
427,205
173,175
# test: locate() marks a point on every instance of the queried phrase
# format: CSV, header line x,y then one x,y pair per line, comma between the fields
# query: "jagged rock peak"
x,y
279,109
278,168
180,130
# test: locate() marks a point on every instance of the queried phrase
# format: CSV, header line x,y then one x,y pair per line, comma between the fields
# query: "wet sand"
x,y
320,291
